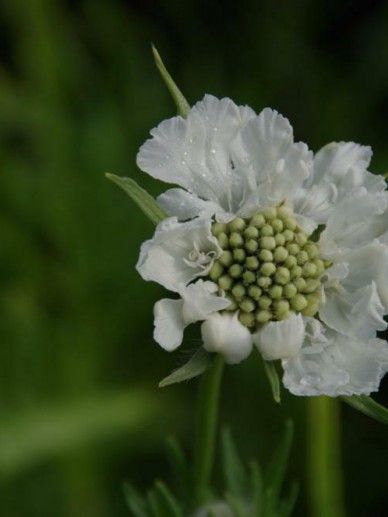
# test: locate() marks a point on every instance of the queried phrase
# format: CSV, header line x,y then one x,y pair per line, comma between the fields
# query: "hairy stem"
x,y
324,466
207,416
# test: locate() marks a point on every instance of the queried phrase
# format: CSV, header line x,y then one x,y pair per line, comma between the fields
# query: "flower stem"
x,y
207,415
324,467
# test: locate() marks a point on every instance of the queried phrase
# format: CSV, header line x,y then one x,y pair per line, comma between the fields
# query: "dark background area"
x,y
80,410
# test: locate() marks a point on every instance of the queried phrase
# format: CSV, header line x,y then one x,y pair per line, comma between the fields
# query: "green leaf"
x,y
179,466
277,468
140,196
183,107
287,504
236,479
168,505
368,406
135,501
256,486
273,378
198,363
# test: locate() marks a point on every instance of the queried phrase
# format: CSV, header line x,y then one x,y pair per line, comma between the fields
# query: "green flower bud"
x,y
266,256
235,271
290,223
300,283
264,302
296,271
275,292
302,257
319,265
255,292
292,248
284,212
216,271
258,220
223,240
309,269
226,258
268,243
238,291
251,232
289,291
252,263
288,235
311,249
247,305
263,316
247,319
311,285
280,307
249,277
301,238
239,254
225,282
251,245
267,230
264,282
312,305
277,225
270,213
233,305
298,302
236,240
290,261
280,254
284,315
268,269
280,239
237,225
282,275
217,228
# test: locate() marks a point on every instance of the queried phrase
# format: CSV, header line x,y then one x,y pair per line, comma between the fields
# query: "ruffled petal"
x,y
354,222
335,365
169,323
274,165
178,253
280,339
200,300
195,152
224,334
358,313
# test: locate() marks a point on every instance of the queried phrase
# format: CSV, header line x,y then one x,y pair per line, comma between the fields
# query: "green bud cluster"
x,y
269,268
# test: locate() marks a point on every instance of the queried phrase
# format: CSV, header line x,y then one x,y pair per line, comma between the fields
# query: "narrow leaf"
x,y
179,466
368,406
135,502
256,487
287,505
273,378
198,363
140,196
168,505
183,107
236,479
276,471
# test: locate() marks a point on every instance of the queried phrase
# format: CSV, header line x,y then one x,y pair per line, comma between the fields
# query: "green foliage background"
x,y
79,407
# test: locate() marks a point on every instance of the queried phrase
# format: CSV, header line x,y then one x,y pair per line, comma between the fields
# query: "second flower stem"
x,y
324,465
206,430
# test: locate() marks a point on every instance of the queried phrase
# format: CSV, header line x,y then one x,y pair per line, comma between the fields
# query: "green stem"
x,y
324,466
207,415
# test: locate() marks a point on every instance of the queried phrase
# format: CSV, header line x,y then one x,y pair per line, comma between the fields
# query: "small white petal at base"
x,y
280,339
224,334
169,323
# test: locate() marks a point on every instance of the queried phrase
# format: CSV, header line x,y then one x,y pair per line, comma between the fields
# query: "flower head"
x,y
271,246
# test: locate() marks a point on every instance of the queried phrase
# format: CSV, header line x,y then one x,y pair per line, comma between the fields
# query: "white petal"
x,y
354,222
336,365
358,313
224,334
366,265
277,166
178,253
195,152
280,339
200,301
169,323
186,206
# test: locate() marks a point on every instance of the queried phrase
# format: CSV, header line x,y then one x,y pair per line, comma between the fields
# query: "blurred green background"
x,y
80,410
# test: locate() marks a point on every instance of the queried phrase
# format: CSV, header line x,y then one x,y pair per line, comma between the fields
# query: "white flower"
x,y
244,218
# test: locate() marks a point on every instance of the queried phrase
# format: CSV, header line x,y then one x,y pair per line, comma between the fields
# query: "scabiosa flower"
x,y
269,245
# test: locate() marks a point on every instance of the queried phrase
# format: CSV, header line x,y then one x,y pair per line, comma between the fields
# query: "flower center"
x,y
269,268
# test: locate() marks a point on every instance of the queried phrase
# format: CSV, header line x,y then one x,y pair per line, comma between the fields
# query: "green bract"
x,y
270,269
